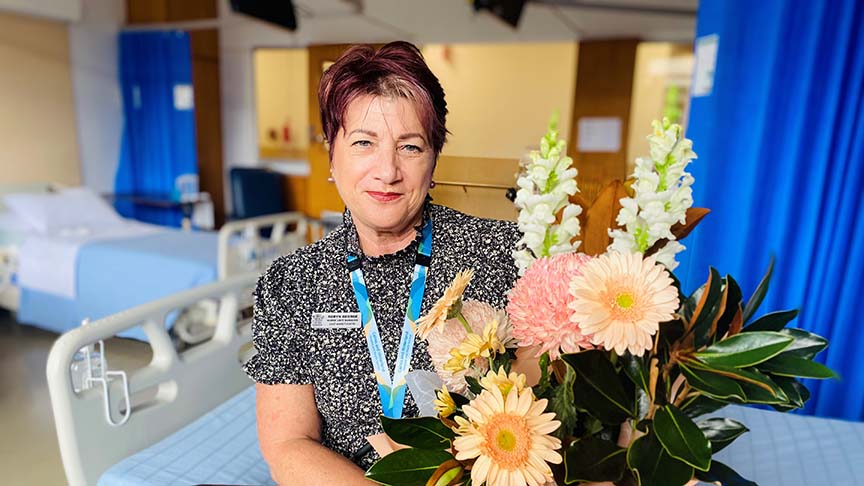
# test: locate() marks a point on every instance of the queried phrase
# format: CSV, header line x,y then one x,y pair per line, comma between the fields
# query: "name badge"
x,y
335,320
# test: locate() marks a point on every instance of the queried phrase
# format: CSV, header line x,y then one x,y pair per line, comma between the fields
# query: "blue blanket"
x,y
115,275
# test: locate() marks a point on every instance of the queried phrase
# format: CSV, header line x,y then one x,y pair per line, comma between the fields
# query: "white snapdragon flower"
x,y
662,195
545,186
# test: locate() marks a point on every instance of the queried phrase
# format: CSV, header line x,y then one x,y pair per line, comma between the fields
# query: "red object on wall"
x,y
286,133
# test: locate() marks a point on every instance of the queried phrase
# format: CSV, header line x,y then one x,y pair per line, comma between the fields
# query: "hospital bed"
x,y
55,277
192,418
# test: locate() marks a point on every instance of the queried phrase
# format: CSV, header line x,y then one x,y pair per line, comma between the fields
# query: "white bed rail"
x,y
171,391
242,249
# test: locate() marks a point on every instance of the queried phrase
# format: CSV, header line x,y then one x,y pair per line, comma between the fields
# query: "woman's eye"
x,y
362,143
412,148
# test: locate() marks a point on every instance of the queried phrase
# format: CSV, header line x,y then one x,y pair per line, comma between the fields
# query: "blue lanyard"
x,y
392,390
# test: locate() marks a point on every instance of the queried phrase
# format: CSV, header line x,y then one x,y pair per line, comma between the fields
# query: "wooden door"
x,y
320,194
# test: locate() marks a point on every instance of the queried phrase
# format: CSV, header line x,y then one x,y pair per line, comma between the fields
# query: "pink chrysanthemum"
x,y
538,306
621,299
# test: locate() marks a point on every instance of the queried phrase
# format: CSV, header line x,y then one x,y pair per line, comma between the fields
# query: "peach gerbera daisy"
x,y
621,299
538,306
442,309
509,437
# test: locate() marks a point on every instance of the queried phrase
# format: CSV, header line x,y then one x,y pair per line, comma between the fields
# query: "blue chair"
x,y
255,192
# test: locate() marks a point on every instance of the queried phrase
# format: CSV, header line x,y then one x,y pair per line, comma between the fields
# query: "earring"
x,y
331,180
432,185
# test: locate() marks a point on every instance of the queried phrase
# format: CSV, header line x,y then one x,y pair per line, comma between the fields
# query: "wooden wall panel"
x,y
159,11
208,117
485,202
604,85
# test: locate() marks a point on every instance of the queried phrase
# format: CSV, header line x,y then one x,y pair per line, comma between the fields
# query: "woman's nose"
x,y
387,168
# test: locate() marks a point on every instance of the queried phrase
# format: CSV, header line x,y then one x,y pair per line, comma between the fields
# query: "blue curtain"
x,y
159,132
780,140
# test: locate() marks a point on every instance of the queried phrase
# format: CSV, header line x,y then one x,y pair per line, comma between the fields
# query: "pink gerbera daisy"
x,y
621,299
538,306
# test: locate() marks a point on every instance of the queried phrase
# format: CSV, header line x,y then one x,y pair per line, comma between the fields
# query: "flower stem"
x,y
464,323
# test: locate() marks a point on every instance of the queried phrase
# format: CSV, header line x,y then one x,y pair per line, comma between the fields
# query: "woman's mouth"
x,y
384,196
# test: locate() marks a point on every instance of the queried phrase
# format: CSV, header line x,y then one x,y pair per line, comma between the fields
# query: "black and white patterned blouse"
x,y
336,361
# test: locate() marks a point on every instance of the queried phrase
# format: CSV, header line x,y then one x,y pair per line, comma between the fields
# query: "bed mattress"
x,y
219,448
780,450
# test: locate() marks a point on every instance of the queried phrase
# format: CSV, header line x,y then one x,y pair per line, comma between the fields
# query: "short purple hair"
x,y
395,70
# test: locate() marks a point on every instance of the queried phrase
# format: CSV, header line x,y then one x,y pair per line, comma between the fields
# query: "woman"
x,y
383,113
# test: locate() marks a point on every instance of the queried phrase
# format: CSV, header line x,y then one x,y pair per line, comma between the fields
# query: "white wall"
x,y
37,109
98,104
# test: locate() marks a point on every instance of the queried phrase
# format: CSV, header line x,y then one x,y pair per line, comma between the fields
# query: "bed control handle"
x,y
101,375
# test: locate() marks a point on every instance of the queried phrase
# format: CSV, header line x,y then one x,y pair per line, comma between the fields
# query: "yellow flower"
x,y
509,437
440,312
620,300
475,346
444,404
504,382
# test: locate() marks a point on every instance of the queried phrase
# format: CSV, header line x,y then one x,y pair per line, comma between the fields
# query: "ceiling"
x,y
451,21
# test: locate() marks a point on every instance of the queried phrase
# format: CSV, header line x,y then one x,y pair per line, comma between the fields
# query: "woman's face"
x,y
382,163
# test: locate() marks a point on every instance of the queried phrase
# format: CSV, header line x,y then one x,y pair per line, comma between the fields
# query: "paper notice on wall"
x,y
184,97
599,134
705,62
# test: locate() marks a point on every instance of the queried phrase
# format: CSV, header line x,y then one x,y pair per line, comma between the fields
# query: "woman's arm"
x,y
289,432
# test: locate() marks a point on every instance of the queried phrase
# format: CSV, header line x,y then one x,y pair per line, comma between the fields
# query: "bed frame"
x,y
242,249
174,389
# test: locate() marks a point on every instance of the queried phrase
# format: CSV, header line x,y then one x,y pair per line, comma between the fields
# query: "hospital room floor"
x,y
29,454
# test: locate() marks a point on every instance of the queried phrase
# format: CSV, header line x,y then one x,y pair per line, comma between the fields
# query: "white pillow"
x,y
10,222
69,208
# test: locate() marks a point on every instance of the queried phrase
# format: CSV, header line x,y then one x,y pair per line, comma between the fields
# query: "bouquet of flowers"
x,y
600,370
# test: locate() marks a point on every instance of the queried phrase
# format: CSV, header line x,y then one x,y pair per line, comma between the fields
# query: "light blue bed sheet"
x,y
780,450
115,275
790,449
219,448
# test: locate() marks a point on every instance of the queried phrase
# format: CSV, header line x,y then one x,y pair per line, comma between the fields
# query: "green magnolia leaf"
x,y
806,344
420,432
722,474
544,383
598,388
636,369
459,400
745,349
721,432
715,386
758,394
797,393
473,385
759,294
701,405
407,467
653,466
773,321
757,387
561,402
681,438
795,366
733,298
706,309
592,459
670,333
